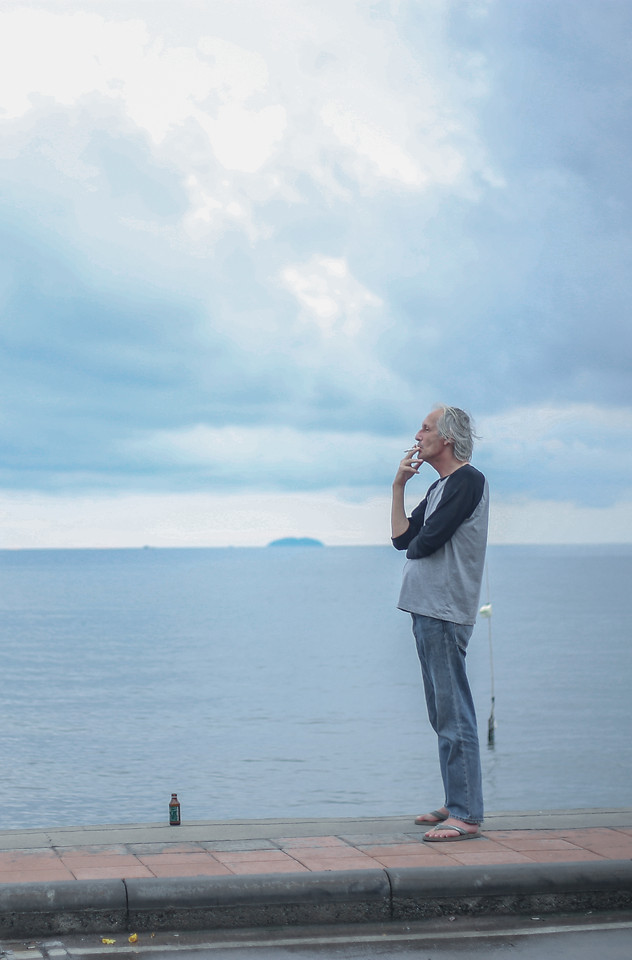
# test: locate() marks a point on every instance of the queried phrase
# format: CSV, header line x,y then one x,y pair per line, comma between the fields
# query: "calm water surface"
x,y
283,682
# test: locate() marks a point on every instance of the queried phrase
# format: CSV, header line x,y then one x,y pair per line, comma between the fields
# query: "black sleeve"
x,y
415,523
462,494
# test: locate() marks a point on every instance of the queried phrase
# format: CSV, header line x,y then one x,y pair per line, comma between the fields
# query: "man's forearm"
x,y
399,520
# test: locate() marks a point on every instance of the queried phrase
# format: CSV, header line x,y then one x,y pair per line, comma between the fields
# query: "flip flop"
x,y
462,834
437,816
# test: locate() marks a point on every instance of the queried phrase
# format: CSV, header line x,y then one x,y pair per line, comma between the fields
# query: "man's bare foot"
x,y
453,829
435,816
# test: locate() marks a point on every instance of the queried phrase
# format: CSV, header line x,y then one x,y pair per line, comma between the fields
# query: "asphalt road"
x,y
607,937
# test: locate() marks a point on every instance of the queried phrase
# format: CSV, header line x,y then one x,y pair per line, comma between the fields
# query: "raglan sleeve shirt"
x,y
445,548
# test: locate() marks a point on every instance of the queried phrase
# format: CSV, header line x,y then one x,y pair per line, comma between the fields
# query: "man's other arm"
x,y
461,496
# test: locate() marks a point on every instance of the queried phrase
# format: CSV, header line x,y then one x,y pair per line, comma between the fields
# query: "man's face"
x,y
430,441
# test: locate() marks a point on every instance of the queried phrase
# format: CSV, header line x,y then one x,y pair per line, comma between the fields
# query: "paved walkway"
x,y
279,873
230,848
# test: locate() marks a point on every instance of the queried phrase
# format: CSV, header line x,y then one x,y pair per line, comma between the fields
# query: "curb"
x,y
69,906
354,896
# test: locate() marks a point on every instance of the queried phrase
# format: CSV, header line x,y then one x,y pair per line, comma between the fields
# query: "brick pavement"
x,y
167,856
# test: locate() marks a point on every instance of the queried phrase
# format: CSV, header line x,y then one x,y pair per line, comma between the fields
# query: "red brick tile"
x,y
26,874
475,856
267,866
441,849
287,842
117,872
332,853
562,856
611,853
105,861
316,864
537,843
396,849
613,846
251,856
482,846
37,860
186,869
578,837
426,860
594,833
173,859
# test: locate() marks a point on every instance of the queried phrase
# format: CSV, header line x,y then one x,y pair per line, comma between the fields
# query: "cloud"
x,y
273,458
371,150
578,452
294,227
329,295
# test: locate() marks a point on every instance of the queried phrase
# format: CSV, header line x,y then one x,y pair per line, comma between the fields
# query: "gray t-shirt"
x,y
445,548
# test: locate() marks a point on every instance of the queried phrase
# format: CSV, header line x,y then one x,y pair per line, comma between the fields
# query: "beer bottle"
x,y
174,811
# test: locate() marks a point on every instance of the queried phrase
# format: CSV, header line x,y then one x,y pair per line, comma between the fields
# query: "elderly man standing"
x,y
445,540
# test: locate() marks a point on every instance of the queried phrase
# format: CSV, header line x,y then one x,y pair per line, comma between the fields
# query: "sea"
x,y
277,682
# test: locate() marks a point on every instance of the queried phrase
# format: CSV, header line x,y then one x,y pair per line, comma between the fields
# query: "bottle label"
x,y
174,814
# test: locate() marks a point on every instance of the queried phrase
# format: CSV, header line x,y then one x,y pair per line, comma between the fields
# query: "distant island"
x,y
296,542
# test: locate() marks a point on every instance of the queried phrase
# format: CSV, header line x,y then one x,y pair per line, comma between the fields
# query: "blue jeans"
x,y
441,646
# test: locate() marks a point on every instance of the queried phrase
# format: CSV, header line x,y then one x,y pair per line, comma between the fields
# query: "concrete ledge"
x,y
419,894
354,896
70,906
346,896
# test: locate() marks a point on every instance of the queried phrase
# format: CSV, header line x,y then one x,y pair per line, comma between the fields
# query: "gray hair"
x,y
457,426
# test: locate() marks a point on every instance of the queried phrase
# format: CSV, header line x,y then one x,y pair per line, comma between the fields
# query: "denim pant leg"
x,y
441,646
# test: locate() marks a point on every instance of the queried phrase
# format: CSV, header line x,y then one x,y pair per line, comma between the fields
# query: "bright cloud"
x,y
287,229
371,148
67,56
329,295
244,100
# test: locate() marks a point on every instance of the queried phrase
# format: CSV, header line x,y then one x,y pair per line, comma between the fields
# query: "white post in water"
x,y
486,612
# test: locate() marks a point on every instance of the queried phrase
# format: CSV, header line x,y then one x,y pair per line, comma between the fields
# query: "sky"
x,y
248,245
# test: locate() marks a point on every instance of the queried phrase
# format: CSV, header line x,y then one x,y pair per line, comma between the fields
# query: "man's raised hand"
x,y
409,465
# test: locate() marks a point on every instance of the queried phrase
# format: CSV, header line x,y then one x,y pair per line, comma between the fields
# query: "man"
x,y
445,540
